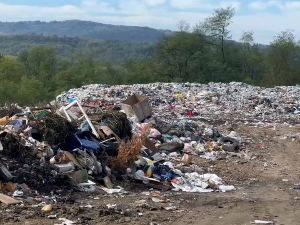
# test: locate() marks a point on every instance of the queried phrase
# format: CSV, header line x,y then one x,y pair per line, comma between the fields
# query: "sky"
x,y
266,18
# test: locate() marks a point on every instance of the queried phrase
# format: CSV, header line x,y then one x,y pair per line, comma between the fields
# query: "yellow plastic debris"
x,y
4,120
178,96
210,146
10,187
47,208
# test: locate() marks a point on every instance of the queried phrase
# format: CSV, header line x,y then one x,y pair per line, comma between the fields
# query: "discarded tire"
x,y
229,144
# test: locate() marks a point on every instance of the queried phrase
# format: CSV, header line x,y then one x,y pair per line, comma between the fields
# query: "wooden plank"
x,y
109,132
106,130
8,200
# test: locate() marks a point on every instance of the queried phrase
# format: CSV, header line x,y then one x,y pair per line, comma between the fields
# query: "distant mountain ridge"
x,y
86,29
66,47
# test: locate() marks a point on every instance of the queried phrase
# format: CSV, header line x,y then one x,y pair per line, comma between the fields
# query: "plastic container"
x,y
64,167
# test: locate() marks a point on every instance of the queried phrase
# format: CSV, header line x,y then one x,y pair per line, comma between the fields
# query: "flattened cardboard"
x,y
8,200
149,144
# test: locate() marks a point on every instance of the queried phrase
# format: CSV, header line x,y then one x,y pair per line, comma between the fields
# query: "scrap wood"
x,y
109,132
8,200
117,122
85,116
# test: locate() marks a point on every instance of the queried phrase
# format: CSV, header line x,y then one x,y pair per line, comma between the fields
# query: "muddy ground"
x,y
264,191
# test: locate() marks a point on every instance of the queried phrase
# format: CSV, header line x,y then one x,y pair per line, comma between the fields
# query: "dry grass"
x,y
130,151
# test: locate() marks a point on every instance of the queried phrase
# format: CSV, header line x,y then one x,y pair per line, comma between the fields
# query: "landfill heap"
x,y
234,100
152,134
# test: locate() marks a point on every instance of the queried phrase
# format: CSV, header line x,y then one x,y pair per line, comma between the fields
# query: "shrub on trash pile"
x,y
130,151
118,123
55,129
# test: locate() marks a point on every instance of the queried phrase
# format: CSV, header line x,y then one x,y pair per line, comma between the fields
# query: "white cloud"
x,y
191,4
183,4
203,4
282,5
17,11
290,6
97,6
259,5
266,25
89,3
234,4
154,2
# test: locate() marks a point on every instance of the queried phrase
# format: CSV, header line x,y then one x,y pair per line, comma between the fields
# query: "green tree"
x,y
177,56
11,71
214,30
40,63
252,60
31,91
282,60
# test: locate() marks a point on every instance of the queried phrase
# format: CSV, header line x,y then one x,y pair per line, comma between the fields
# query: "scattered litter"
x,y
263,222
52,217
65,222
111,206
47,208
113,191
18,194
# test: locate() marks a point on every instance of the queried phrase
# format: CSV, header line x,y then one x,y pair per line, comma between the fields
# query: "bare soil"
x,y
264,191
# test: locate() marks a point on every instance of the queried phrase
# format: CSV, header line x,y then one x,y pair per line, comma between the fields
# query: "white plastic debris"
x,y
18,194
65,222
139,175
194,182
113,191
111,206
87,187
263,222
52,217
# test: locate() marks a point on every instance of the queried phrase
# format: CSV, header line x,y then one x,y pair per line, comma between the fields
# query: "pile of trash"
x,y
237,101
148,134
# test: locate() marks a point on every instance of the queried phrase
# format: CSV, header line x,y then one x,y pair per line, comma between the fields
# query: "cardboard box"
x,y
137,105
80,176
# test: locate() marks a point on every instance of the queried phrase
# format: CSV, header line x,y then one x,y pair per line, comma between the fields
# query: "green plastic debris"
x,y
41,115
169,137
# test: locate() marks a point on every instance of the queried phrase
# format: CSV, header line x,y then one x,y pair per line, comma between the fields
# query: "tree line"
x,y
65,47
204,53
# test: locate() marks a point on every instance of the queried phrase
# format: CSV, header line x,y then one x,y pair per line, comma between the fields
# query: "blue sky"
x,y
265,17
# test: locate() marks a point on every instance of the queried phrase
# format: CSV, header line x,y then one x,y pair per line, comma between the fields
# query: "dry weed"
x,y
130,151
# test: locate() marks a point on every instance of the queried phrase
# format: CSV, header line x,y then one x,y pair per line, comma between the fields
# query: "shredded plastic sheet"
x,y
113,191
263,222
196,183
65,222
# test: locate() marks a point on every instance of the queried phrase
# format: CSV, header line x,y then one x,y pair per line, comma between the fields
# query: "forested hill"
x,y
66,47
78,28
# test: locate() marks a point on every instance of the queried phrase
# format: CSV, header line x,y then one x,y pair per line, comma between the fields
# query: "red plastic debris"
x,y
190,114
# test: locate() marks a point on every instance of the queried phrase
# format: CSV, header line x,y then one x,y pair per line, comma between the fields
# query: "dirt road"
x,y
264,191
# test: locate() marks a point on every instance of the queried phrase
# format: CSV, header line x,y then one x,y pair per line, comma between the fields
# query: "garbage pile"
x,y
233,101
101,135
